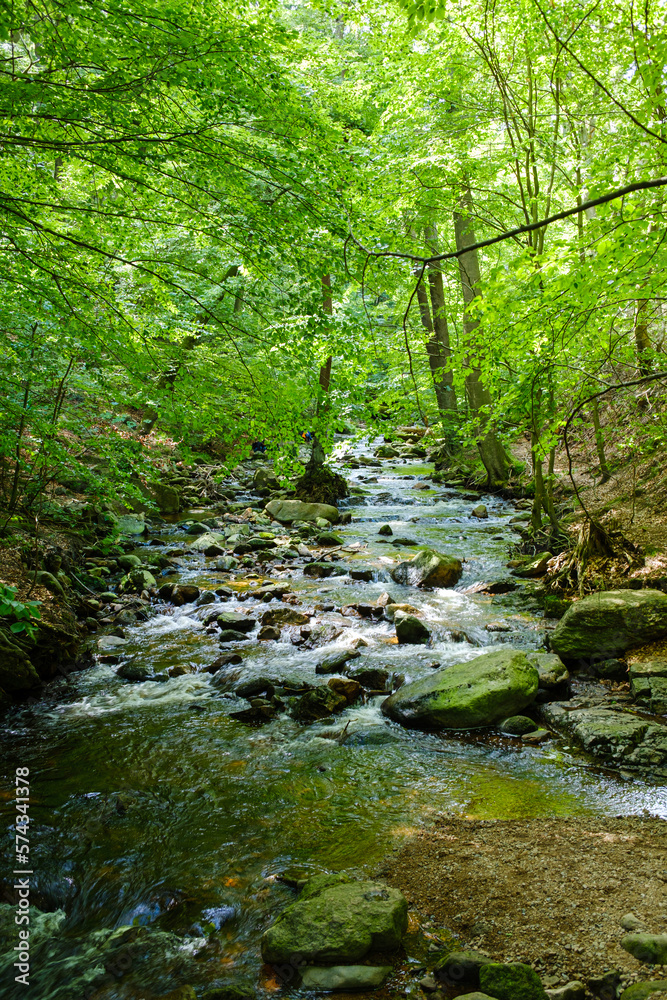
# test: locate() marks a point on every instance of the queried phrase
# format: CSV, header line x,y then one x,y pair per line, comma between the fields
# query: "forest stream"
x,y
150,806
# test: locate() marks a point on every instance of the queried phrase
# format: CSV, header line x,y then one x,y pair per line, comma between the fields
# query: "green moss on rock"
x,y
514,981
337,921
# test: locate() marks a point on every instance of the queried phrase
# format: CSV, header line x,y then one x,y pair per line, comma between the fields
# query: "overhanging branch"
x,y
511,233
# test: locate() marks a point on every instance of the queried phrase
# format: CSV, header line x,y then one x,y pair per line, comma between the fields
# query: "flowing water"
x,y
151,807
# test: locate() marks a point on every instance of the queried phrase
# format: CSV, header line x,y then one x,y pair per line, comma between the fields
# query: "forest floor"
x,y
548,892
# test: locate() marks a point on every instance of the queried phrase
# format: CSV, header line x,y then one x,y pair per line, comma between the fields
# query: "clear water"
x,y
152,808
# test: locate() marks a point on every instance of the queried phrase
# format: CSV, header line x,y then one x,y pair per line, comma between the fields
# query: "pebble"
x,y
629,922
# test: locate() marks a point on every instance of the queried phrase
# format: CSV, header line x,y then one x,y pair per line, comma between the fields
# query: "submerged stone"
x,y
320,570
344,977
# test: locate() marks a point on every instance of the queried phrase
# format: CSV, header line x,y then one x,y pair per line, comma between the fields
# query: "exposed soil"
x,y
549,892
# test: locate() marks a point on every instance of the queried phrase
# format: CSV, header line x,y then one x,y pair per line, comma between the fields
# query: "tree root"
x,y
599,554
320,484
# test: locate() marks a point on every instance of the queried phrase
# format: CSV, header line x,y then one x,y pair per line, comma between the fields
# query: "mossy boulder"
x,y
321,570
429,569
329,538
285,616
288,511
136,581
16,671
335,662
640,991
319,703
131,524
648,683
533,566
648,948
517,725
208,540
344,977
235,621
167,498
550,668
48,580
514,981
605,625
477,693
615,736
336,919
460,968
411,631
128,562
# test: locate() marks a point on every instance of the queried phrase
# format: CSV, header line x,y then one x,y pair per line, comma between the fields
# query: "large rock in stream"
x,y
429,569
648,683
605,625
476,693
287,511
337,920
208,540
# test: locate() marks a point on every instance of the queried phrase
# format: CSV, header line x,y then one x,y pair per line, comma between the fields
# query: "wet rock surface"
x,y
466,695
607,624
619,738
429,569
336,919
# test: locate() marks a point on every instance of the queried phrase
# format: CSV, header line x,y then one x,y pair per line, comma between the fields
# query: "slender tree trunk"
x,y
599,441
642,338
538,480
318,456
436,349
491,450
435,359
441,349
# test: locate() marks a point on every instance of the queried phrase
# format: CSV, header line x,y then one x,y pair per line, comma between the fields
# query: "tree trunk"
x,y
642,339
599,442
437,359
491,450
317,456
439,347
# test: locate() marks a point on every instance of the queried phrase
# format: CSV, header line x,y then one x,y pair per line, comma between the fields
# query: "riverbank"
x,y
552,893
